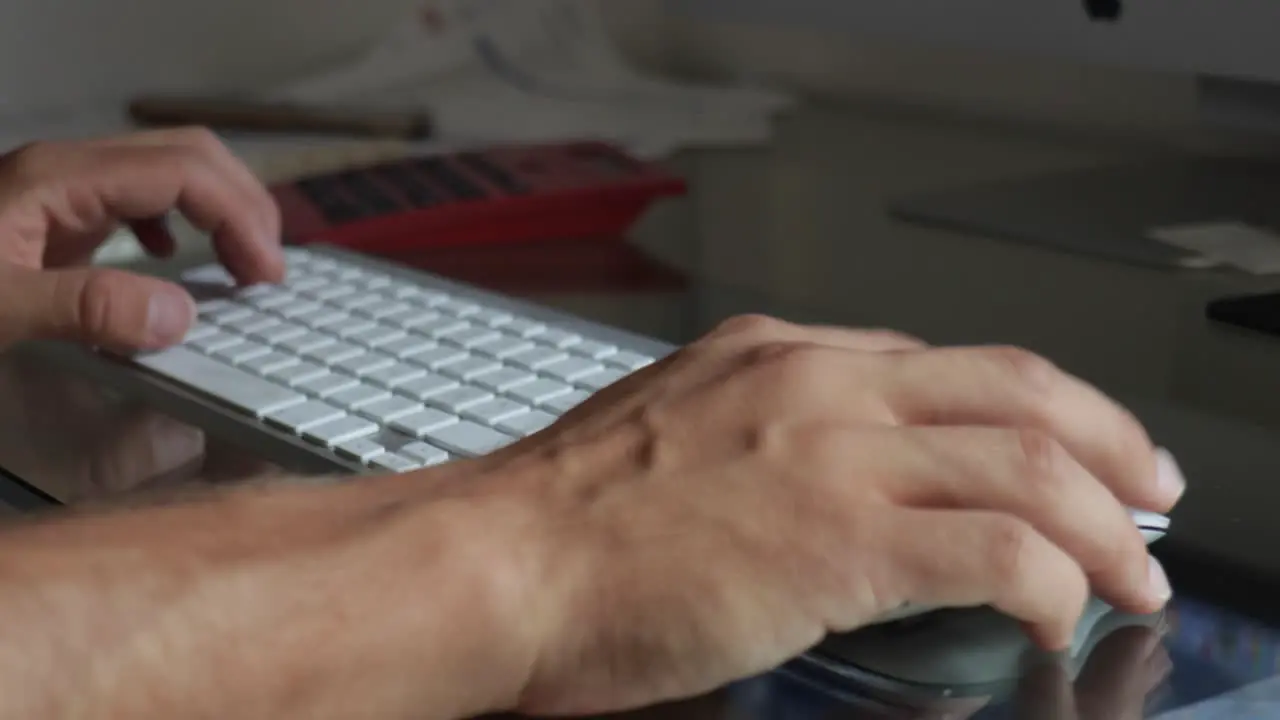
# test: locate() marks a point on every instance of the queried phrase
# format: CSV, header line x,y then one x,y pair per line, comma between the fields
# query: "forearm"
x,y
371,599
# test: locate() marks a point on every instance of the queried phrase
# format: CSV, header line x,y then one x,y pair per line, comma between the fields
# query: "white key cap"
x,y
253,324
420,423
299,418
492,318
354,302
524,328
215,342
295,375
209,275
358,397
407,346
271,299
270,363
428,455
362,450
458,308
242,353
440,326
417,321
280,334
377,336
374,281
503,347
594,350
306,342
322,317
200,330
395,463
390,409
307,283
348,328
459,399
470,337
562,404
342,430
559,339
328,385
232,385
297,309
495,411
601,380
630,360
472,367
534,421
230,315
468,438
335,353
572,369
537,358
406,314
539,391
426,387
395,376
385,309
500,381
364,365
333,292
437,357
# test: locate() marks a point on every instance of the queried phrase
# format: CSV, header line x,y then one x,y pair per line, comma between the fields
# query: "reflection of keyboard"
x,y
386,368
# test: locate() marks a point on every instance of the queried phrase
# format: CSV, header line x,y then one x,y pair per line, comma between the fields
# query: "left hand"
x,y
60,201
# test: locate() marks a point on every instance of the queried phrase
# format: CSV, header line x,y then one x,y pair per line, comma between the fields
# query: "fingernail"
x,y
1169,477
169,314
1158,581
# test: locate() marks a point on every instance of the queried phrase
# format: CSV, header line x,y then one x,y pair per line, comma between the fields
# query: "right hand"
x,y
717,514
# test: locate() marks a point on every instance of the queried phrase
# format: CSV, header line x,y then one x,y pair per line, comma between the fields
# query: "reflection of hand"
x,y
1121,673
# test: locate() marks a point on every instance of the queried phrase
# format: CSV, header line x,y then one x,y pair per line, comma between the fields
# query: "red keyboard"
x,y
506,194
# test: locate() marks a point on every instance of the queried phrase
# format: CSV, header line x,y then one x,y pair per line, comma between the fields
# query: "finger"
x,y
970,558
750,330
96,306
1013,388
1029,475
153,234
207,143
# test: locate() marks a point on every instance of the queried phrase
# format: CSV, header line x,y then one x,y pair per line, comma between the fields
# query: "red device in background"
x,y
502,194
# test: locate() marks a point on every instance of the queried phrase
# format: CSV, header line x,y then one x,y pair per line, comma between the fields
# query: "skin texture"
x,y
702,521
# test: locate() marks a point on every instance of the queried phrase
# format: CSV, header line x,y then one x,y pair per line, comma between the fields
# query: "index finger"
x,y
1012,388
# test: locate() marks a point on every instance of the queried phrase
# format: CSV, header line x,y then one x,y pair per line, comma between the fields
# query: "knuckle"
x,y
1009,543
797,371
1032,372
752,325
886,337
1041,460
201,137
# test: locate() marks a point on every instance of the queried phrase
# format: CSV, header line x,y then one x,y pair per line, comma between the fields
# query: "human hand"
x,y
722,511
60,201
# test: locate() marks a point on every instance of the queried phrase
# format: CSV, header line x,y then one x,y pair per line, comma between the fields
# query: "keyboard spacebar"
x,y
231,385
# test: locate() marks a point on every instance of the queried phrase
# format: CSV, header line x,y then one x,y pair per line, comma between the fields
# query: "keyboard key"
x,y
253,324
468,438
428,455
306,283
295,375
365,365
402,318
270,363
377,336
342,430
458,308
335,353
571,369
630,361
427,386
359,396
437,357
299,418
215,342
562,404
594,350
280,334
539,391
334,291
297,309
495,411
602,379
327,385
395,376
559,339
230,315
440,326
305,343
524,328
389,409
491,318
372,281
418,320
322,317
470,337
362,450
209,275
354,302
408,345
395,463
231,385
459,399
503,347
500,381
527,424
385,309
537,358
420,423
242,352
470,368
348,328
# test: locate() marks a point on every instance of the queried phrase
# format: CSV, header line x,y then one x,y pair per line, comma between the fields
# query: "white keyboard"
x,y
388,370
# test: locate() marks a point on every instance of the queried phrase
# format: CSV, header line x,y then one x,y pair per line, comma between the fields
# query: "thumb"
x,y
98,306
